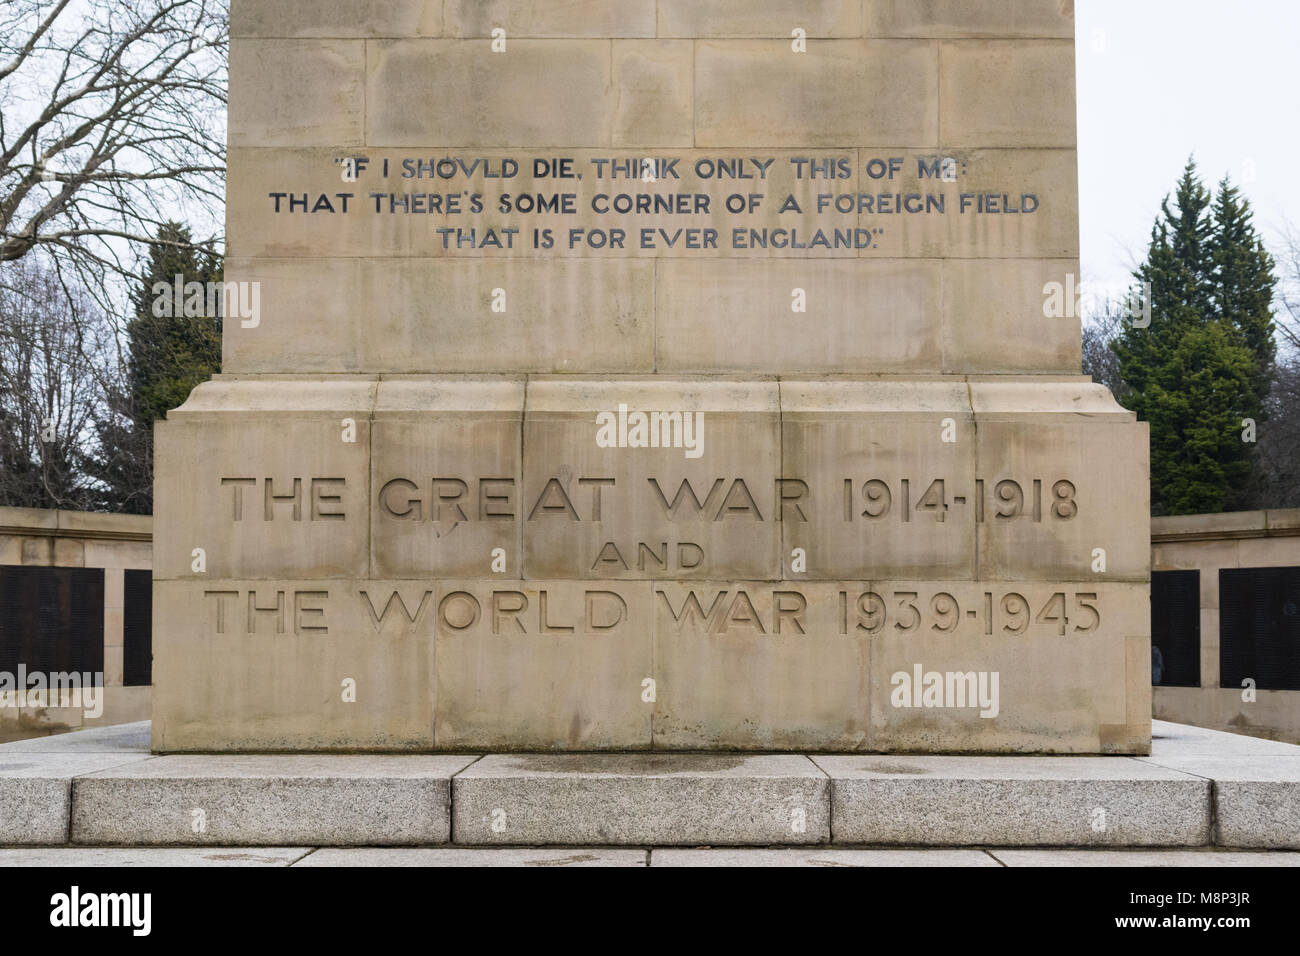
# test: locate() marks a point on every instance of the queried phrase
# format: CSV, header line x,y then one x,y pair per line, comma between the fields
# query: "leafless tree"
x,y
1288,264
112,118
111,122
1103,324
1279,437
1099,330
52,372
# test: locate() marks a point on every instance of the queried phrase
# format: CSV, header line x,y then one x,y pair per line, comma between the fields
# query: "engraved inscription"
x,y
283,498
268,611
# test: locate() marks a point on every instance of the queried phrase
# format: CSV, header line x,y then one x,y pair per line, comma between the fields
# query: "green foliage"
x,y
1205,363
1243,280
170,353
1195,402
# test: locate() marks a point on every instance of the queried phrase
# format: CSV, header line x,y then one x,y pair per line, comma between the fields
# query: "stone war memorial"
x,y
673,376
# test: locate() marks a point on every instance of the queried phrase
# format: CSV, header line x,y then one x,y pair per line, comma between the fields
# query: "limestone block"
x,y
1282,518
1194,527
275,208
335,18
601,501
270,479
124,705
1267,553
114,655
297,92
757,666
537,93
667,800
33,519
1021,801
476,315
656,103
885,491
1138,692
92,523
1050,399
268,801
551,18
1210,643
740,316
1008,93
543,665
969,18
558,316
114,621
1019,667
38,552
851,93
114,598
296,300
446,474
69,553
248,665
1049,506
994,316
119,554
1268,714
1003,204
759,18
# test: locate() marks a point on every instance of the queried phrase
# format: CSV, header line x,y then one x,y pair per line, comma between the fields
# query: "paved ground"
x,y
1235,799
579,856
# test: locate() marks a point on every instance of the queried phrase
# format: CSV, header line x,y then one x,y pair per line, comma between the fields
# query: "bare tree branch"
x,y
111,124
1288,260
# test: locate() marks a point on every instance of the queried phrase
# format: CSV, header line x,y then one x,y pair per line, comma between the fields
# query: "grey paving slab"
x,y
1183,740
1015,801
641,799
35,792
123,796
118,738
315,800
482,856
1256,797
1207,856
152,856
819,856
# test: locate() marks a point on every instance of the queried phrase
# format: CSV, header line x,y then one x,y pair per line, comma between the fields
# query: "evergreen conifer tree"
x,y
1202,367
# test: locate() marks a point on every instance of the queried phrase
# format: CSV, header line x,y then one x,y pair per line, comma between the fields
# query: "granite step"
x,y
1199,788
581,857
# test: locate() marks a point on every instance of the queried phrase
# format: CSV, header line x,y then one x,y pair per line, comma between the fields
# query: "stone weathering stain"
x,y
638,376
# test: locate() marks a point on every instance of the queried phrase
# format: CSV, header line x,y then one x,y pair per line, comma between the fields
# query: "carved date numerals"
x,y
908,612
1003,500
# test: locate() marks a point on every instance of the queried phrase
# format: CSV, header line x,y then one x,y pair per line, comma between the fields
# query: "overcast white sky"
x,y
1160,80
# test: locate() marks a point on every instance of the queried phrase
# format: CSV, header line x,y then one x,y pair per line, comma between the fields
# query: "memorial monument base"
x,y
679,377
493,563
